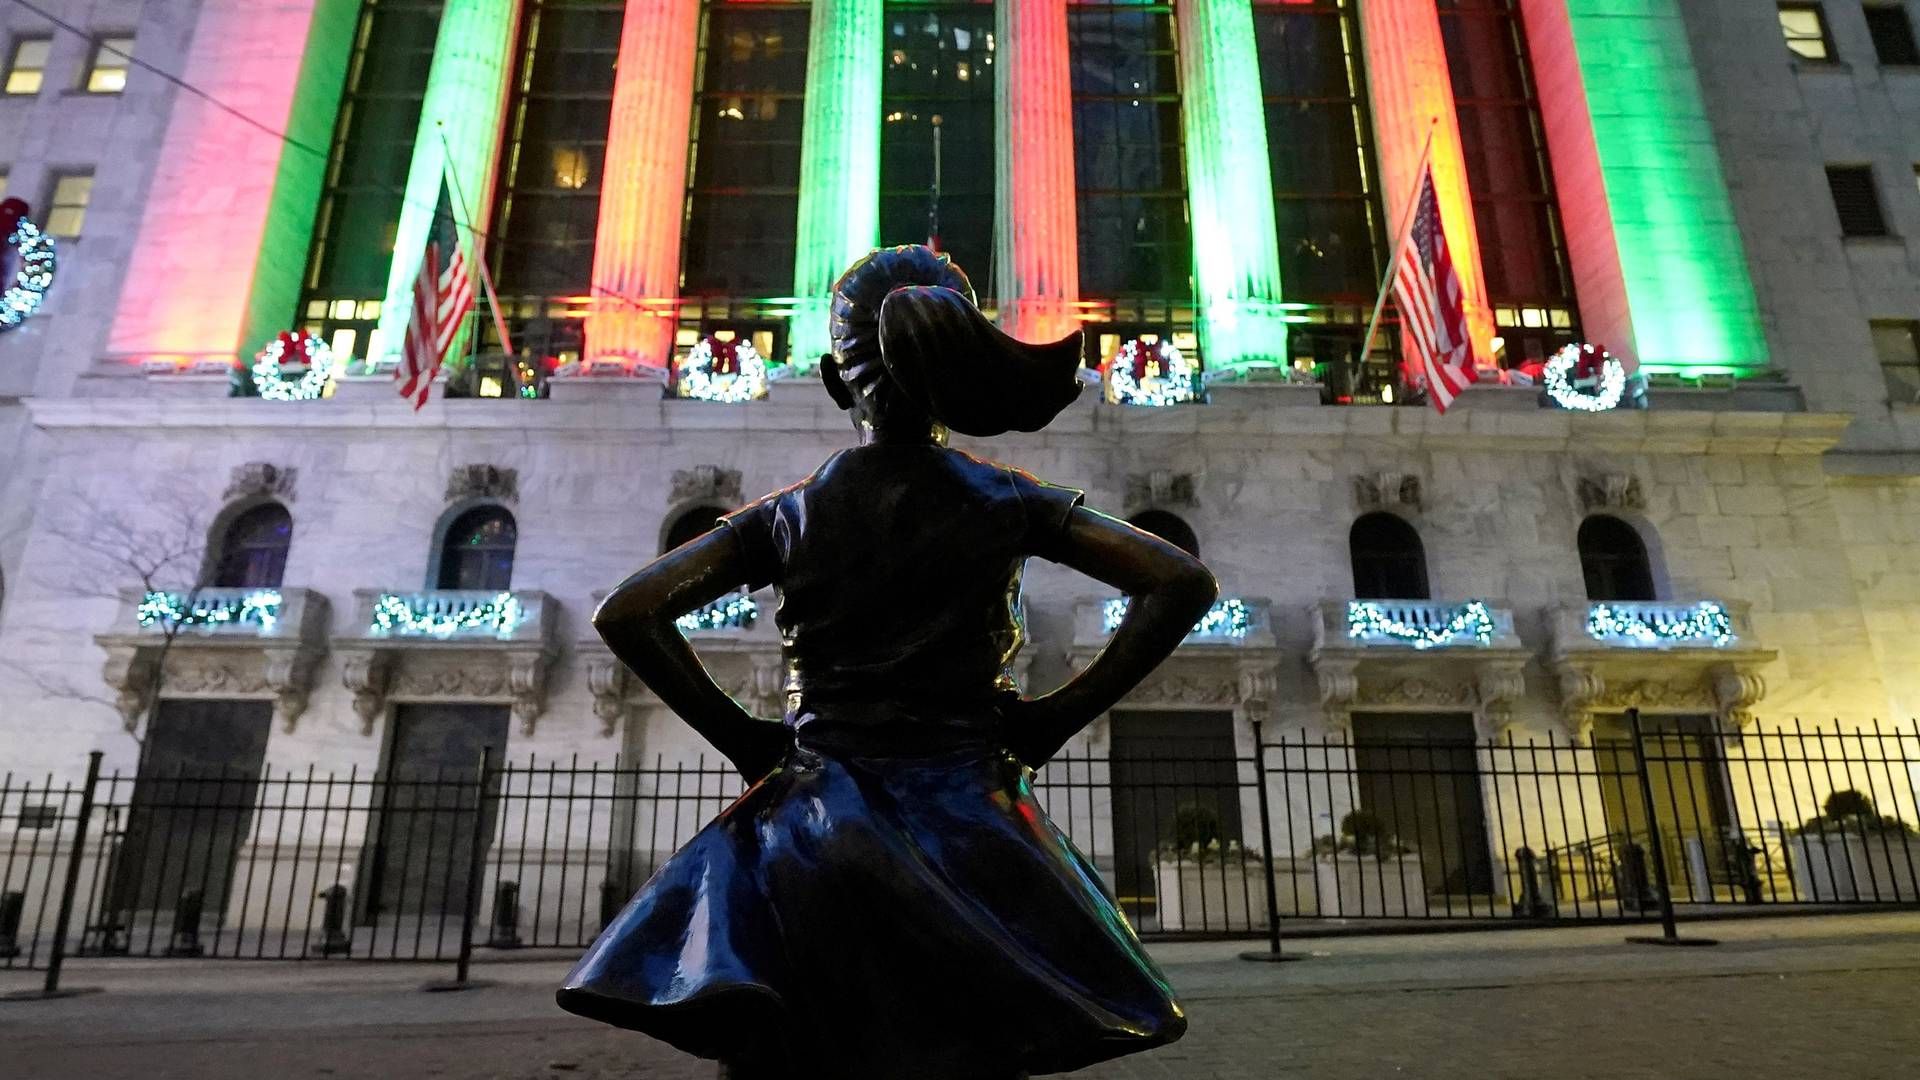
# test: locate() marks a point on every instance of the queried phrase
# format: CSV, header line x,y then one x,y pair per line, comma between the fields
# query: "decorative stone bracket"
x,y
274,657
706,484
506,664
483,482
1160,489
745,661
1610,491
1387,491
1211,670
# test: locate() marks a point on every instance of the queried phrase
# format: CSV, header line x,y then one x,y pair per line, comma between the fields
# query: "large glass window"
x,y
1614,560
253,549
747,113
367,173
477,552
1389,561
550,173
939,77
1135,240
1522,248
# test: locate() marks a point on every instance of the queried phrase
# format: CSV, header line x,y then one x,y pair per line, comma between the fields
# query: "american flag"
x,y
442,296
1433,316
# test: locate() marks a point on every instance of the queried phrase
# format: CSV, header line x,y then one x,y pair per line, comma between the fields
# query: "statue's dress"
x,y
891,902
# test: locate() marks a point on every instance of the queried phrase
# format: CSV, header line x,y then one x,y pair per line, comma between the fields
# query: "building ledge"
x,y
448,645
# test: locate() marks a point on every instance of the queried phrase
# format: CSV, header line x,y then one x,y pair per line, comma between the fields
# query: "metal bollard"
x,y
13,907
186,925
1532,903
333,923
613,897
506,916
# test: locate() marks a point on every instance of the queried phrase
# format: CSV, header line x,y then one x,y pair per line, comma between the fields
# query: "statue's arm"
x,y
637,622
1169,589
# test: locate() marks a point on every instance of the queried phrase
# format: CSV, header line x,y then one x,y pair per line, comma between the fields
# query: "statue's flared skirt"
x,y
881,918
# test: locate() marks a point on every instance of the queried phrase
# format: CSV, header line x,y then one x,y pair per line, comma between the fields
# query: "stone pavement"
x,y
1786,998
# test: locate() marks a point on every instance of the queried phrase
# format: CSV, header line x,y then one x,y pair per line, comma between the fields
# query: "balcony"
x,y
1228,660
1232,622
736,640
247,644
448,645
1687,656
1417,655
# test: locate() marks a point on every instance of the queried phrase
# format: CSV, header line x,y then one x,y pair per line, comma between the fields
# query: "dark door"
x,y
1687,774
192,804
1418,776
427,805
1175,783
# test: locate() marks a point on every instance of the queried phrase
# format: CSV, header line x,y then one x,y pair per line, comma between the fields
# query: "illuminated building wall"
x,y
1036,244
230,211
466,96
839,218
636,262
1412,96
1236,256
1657,257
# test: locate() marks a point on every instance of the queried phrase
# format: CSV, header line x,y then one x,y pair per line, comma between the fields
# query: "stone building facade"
x,y
1780,487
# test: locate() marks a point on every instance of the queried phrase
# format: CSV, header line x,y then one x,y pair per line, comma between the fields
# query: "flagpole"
x,y
1399,243
479,241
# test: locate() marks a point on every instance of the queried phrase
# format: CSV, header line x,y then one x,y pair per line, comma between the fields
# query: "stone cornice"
x,y
1246,416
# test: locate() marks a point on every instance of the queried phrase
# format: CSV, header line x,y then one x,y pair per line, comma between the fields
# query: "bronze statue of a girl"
x,y
888,901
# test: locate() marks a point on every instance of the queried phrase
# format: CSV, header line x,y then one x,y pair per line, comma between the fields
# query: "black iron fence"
x,y
1636,817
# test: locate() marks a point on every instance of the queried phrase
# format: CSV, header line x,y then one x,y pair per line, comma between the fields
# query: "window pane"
x,y
938,66
108,75
1898,346
1892,35
1806,32
1856,201
28,70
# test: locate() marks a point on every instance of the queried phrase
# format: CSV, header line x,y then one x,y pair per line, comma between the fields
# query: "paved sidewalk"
x,y
1786,998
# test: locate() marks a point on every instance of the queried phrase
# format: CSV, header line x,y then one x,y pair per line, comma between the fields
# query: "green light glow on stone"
x,y
1685,269
1236,256
839,218
466,93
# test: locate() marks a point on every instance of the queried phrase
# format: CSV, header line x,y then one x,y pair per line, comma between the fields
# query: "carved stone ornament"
x,y
1176,688
483,482
1161,488
129,673
1727,691
257,479
1387,491
366,673
1610,491
706,484
608,680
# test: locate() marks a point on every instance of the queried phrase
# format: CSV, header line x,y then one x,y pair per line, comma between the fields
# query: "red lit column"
x,y
1407,75
1037,245
636,259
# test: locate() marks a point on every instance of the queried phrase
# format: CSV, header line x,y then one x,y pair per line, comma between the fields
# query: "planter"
x,y
1215,896
1870,867
1362,887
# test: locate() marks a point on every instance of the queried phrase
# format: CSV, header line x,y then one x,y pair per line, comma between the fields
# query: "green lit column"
x,y
1236,256
465,101
839,218
1657,256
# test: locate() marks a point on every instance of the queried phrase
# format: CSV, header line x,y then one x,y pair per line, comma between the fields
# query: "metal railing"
x,y
431,866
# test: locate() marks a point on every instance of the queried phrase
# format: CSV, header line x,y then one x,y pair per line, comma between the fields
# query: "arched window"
x,y
1389,562
690,524
1169,527
1614,560
478,550
253,549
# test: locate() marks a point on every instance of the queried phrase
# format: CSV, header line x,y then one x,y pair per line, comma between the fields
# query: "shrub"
x,y
1362,834
1850,811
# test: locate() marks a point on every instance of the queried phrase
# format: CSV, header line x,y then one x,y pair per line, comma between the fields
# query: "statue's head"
x,y
913,355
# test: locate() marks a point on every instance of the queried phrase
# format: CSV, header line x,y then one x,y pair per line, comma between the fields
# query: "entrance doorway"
x,y
1688,776
1418,775
192,804
420,858
1175,783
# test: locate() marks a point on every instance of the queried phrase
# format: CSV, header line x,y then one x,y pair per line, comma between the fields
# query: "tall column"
x,y
228,219
839,217
1236,252
1037,244
1411,90
643,187
466,102
1658,261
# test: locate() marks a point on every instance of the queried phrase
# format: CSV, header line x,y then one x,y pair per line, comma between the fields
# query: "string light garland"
x,y
427,616
725,371
261,607
1367,620
1705,622
1585,378
30,254
736,612
269,376
1229,618
1153,374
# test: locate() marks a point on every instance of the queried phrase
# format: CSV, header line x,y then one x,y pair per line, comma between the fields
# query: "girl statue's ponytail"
x,y
905,326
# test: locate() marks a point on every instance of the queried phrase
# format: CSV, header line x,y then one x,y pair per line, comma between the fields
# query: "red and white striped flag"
x,y
442,296
1433,316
